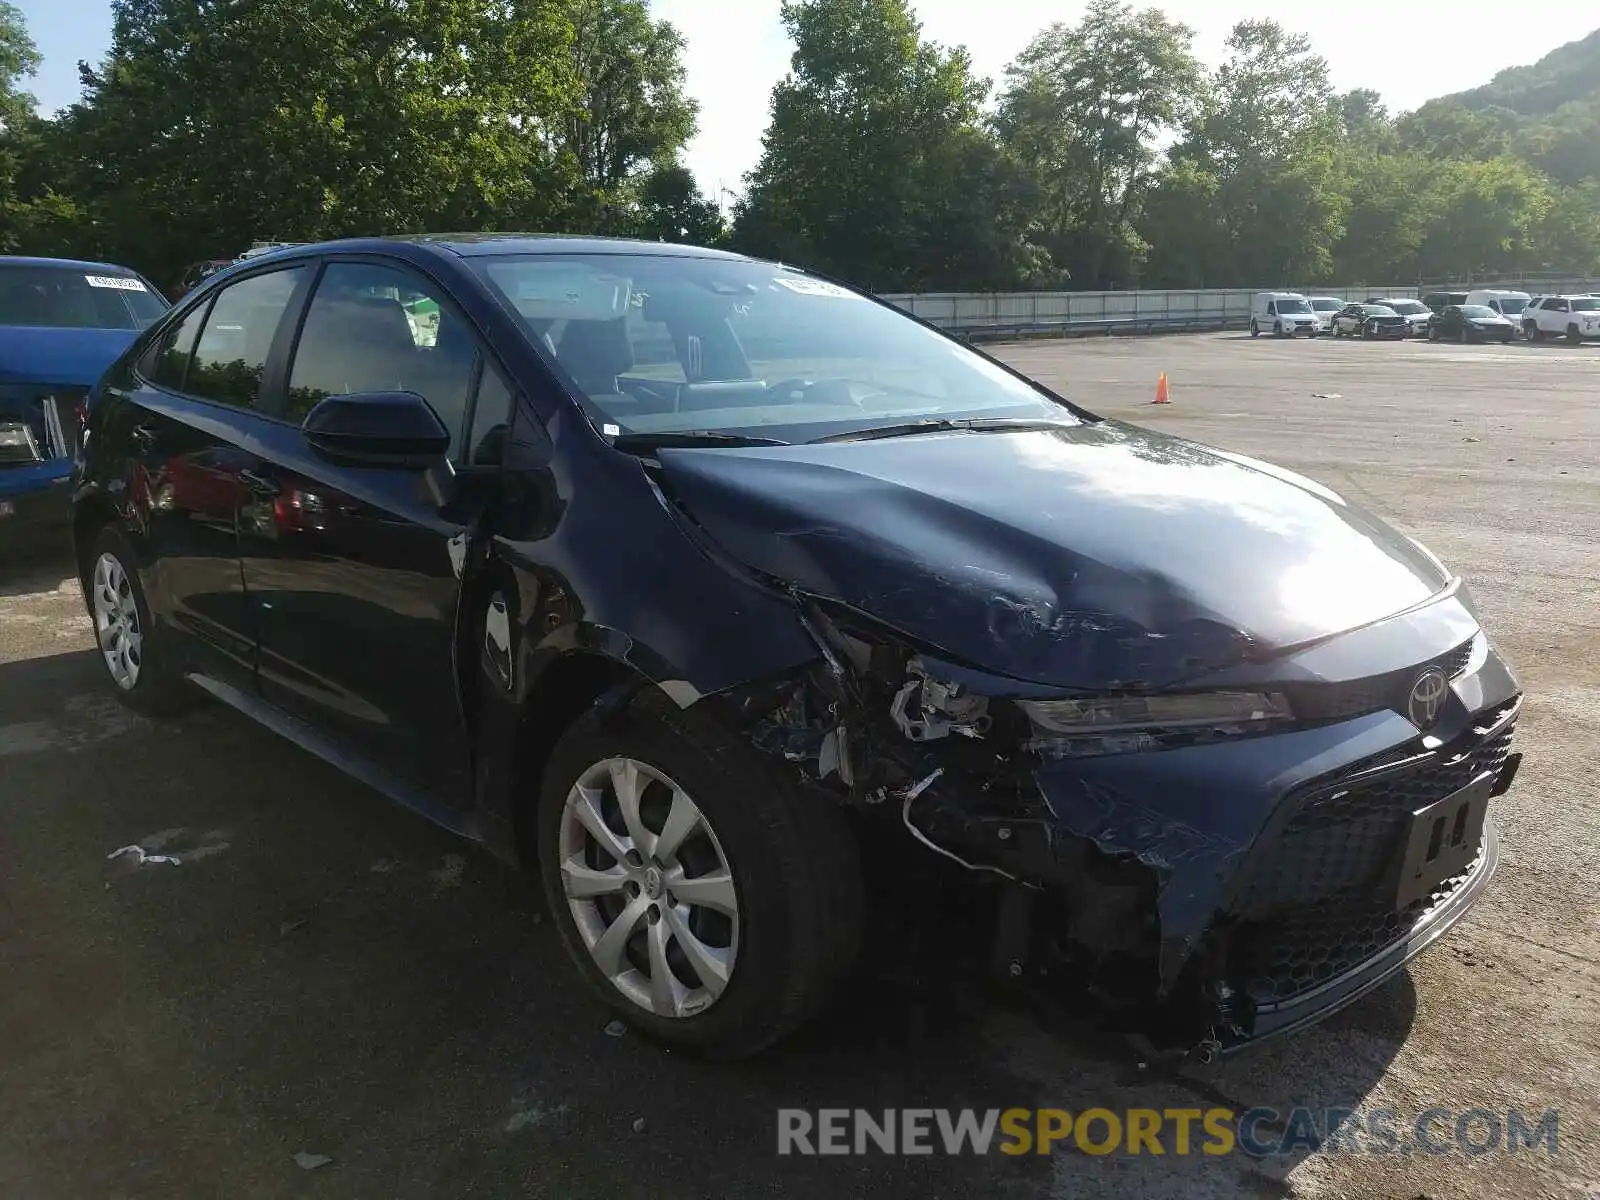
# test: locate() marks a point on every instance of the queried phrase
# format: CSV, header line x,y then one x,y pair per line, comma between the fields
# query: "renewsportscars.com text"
x,y
1258,1132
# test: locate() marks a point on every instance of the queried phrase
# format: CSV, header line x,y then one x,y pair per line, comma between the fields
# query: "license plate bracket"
x,y
8,508
1442,840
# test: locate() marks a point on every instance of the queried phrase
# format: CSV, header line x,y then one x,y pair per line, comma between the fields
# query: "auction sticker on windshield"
x,y
121,283
815,287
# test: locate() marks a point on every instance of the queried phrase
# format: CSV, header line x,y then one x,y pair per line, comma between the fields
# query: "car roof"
x,y
73,264
476,245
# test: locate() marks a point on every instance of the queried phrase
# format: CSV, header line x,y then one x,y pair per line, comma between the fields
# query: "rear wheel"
x,y
1464,336
696,890
136,657
1255,330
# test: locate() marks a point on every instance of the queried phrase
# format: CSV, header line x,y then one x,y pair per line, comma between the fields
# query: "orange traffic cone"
x,y
1161,390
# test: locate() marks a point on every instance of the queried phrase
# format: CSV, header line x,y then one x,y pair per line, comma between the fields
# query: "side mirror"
x,y
378,429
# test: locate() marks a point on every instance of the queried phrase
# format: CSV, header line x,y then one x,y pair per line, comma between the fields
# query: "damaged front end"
x,y
1164,854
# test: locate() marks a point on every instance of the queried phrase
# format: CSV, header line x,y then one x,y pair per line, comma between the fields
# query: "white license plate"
x,y
7,508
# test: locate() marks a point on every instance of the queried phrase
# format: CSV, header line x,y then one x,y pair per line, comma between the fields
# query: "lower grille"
x,y
1342,837
1307,945
1320,898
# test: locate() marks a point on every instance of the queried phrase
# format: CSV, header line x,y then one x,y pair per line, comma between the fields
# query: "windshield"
x,y
1512,304
664,345
1408,308
1293,306
1325,305
68,298
1478,311
1380,310
1586,306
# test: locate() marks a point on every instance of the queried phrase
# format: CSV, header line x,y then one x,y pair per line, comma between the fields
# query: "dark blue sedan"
x,y
62,323
735,599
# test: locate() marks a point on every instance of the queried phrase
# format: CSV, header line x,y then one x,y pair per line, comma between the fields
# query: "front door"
x,y
192,419
349,568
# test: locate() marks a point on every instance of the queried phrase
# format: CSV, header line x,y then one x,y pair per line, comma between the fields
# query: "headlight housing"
x,y
1093,716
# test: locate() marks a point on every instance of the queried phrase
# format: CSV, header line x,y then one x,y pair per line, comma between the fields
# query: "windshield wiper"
x,y
643,443
947,425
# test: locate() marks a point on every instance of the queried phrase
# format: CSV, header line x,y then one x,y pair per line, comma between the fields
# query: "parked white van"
x,y
1509,304
1283,314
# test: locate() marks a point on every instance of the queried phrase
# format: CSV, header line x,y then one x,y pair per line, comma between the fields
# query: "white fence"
x,y
997,314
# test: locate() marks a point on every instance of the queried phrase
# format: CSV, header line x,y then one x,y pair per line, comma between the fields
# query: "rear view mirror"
x,y
380,429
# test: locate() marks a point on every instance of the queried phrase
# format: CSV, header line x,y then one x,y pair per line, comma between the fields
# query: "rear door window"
x,y
232,352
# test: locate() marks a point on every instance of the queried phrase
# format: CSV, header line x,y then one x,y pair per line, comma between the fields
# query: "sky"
x,y
737,49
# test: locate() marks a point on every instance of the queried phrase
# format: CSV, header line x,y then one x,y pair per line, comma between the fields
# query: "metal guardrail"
x,y
1022,314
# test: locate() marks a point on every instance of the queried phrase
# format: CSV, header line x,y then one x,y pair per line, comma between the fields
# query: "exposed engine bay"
x,y
875,725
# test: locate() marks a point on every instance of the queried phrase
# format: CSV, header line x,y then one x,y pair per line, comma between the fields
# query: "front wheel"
x,y
1573,336
696,890
135,655
1255,330
1464,336
1433,333
1535,334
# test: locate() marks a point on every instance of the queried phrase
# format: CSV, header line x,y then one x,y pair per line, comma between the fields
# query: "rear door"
x,y
350,568
190,431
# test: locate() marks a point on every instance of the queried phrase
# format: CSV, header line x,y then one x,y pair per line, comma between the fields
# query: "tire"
x,y
1433,333
792,859
1255,330
1574,338
1535,334
1465,337
1366,331
143,671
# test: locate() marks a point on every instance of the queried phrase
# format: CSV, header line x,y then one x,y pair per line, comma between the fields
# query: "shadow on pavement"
x,y
322,972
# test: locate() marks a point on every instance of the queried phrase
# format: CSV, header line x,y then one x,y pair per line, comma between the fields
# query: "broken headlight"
x,y
1095,715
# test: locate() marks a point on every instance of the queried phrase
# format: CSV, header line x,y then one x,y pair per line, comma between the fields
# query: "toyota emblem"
x,y
1427,698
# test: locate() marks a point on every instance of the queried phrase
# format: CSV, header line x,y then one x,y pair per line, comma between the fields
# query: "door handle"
x,y
261,485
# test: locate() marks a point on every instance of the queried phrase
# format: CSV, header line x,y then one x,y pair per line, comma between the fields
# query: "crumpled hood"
x,y
1090,556
67,357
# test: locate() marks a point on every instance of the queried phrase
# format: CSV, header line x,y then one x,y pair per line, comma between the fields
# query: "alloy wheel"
x,y
649,888
116,622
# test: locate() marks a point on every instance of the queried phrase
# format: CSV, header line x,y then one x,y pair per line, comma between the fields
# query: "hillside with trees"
x,y
1106,155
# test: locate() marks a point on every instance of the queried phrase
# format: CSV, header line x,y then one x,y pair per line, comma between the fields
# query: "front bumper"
x,y
1258,885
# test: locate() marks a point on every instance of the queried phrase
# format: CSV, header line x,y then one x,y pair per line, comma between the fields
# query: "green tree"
x,y
1485,217
1084,110
19,59
673,210
633,114
209,126
874,166
1256,195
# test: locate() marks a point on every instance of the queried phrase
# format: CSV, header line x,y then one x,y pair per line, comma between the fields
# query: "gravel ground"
x,y
326,975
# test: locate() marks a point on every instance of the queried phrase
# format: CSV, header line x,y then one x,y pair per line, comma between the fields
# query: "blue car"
x,y
735,600
62,323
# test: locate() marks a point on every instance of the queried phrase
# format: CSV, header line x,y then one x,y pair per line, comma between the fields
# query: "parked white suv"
x,y
1572,317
